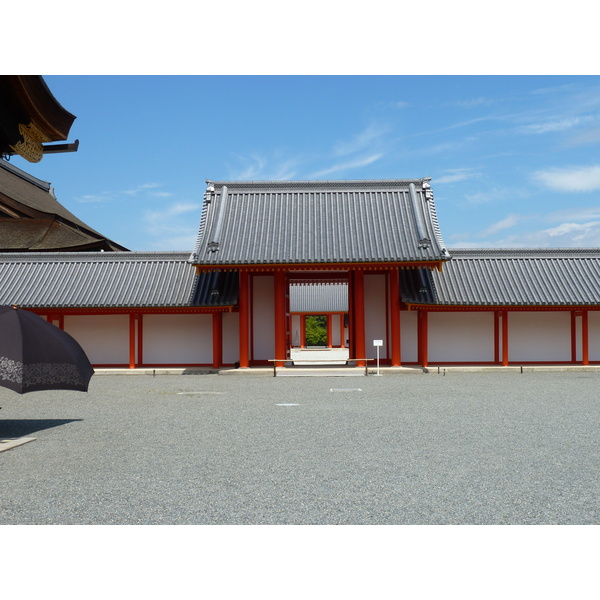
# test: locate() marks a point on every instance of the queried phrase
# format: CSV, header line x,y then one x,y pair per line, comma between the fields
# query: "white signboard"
x,y
377,342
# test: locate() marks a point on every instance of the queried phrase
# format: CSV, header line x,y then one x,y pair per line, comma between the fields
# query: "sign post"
x,y
377,344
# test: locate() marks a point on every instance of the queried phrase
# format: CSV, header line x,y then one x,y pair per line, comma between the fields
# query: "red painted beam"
x,y
217,330
358,308
423,337
132,341
244,303
280,317
394,280
504,338
585,338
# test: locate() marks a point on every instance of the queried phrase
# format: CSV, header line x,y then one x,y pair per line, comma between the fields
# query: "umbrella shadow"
x,y
16,428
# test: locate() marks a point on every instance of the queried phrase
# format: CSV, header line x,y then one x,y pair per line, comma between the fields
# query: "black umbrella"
x,y
37,355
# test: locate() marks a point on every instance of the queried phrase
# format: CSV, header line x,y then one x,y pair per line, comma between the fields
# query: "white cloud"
x,y
140,188
573,179
585,138
109,196
173,228
177,240
175,210
552,126
506,223
473,102
365,140
101,197
565,235
575,213
344,166
455,175
489,196
257,167
576,232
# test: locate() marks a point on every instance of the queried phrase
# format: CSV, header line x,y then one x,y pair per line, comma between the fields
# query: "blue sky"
x,y
514,159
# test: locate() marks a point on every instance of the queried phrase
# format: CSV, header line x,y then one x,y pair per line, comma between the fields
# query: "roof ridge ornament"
x,y
424,240
213,245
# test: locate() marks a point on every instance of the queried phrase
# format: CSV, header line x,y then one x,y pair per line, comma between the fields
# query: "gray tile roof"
x,y
100,280
326,297
302,222
216,288
510,277
45,224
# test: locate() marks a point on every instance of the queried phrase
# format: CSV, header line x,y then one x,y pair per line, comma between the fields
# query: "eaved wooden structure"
x,y
273,234
229,303
31,218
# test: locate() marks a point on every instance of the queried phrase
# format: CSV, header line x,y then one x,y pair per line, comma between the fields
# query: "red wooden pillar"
x,y
217,330
394,279
584,338
132,341
140,340
423,349
358,308
302,331
497,336
574,315
329,330
504,314
244,303
280,318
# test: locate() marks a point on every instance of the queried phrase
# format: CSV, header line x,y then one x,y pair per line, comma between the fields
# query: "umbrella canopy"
x,y
37,355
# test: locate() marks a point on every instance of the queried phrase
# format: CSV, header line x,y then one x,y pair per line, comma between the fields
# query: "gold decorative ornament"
x,y
30,148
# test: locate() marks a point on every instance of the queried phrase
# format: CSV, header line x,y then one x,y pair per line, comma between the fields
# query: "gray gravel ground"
x,y
475,448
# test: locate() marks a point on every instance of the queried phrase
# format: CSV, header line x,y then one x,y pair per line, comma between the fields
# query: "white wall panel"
x,y
461,336
296,331
408,336
231,338
173,339
375,315
263,301
104,338
593,335
543,336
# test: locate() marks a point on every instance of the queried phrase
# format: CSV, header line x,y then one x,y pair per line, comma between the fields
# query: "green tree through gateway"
x,y
316,330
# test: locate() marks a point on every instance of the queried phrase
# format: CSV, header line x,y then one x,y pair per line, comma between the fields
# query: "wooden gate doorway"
x,y
319,317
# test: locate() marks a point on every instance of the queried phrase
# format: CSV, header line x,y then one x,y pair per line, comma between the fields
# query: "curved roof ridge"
x,y
130,256
317,183
521,252
43,185
326,221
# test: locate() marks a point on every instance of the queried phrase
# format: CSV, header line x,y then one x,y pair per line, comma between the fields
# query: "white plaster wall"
x,y
263,301
375,315
408,336
593,335
231,338
104,338
579,339
335,331
539,336
460,336
296,332
177,339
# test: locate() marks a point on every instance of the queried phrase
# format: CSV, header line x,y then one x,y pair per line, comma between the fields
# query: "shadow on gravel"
x,y
15,428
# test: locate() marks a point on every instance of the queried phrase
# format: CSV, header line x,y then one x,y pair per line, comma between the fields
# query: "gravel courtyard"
x,y
461,448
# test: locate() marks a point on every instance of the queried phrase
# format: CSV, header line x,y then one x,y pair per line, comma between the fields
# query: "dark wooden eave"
x,y
30,116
